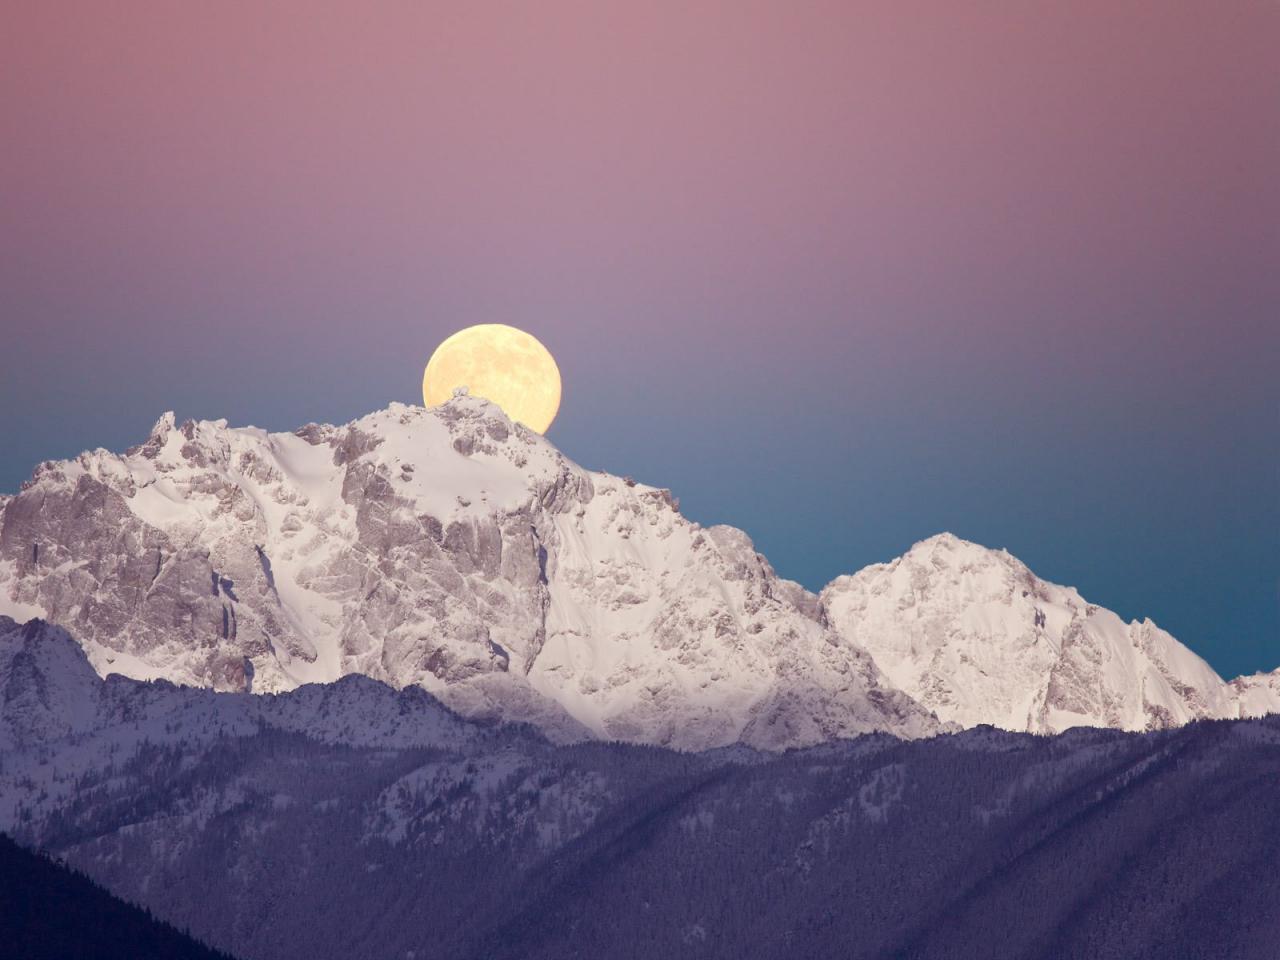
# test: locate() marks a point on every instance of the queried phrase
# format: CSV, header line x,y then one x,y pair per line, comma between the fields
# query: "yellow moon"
x,y
502,364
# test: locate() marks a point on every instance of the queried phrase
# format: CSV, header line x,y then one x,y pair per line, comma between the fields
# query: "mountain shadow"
x,y
50,912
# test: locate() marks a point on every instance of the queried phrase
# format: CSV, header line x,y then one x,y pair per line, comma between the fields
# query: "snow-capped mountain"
x,y
447,548
451,549
1256,695
976,637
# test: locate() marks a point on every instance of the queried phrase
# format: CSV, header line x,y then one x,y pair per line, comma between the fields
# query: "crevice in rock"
x,y
541,552
265,561
540,634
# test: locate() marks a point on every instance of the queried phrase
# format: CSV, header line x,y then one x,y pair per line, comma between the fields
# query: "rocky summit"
x,y
454,550
448,548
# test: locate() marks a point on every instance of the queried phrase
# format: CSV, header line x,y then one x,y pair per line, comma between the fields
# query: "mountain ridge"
x,y
930,617
452,549
269,840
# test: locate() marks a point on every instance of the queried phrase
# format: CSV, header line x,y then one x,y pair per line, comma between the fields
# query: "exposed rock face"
x,y
456,551
447,548
1256,695
976,637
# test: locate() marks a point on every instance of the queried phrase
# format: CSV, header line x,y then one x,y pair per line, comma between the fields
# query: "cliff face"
x,y
976,637
447,548
452,550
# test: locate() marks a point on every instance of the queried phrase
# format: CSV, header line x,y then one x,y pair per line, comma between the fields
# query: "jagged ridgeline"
x,y
452,550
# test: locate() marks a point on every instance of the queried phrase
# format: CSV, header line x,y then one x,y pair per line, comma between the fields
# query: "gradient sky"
x,y
843,274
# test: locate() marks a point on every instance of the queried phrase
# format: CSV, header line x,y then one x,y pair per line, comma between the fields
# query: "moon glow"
x,y
502,364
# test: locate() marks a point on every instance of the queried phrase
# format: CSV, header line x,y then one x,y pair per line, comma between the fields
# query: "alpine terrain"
x,y
453,550
352,821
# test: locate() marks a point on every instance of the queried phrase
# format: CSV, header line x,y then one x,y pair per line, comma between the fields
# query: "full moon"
x,y
502,364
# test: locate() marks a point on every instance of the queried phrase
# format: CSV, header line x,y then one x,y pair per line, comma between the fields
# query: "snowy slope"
x,y
1256,695
976,637
293,847
47,688
446,548
49,693
452,550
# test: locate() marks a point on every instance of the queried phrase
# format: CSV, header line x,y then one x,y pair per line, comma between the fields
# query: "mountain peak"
x,y
49,689
975,636
444,547
948,550
451,549
162,426
462,405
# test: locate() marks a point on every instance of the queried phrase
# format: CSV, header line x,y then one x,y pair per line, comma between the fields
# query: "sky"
x,y
842,274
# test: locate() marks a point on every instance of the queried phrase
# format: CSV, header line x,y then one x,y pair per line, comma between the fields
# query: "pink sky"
x,y
956,260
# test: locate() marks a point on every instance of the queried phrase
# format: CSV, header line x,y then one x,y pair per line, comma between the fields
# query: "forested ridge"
x,y
983,844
